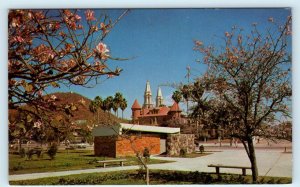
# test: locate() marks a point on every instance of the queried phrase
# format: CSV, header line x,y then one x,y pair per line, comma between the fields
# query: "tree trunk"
x,y
122,114
252,158
147,176
20,144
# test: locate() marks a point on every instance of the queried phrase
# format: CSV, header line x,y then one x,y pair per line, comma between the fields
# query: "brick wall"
x,y
175,142
118,147
105,146
124,147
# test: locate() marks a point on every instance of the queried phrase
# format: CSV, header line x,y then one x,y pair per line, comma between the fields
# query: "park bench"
x,y
234,167
105,162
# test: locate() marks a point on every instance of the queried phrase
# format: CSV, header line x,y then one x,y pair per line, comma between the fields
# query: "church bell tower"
x,y
159,98
148,97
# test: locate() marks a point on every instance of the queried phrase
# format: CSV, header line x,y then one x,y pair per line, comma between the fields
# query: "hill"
x,y
82,113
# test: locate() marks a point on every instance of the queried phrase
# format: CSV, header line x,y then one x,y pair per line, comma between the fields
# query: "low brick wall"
x,y
124,147
175,142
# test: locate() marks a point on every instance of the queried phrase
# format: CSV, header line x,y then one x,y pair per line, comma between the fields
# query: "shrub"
x,y
18,167
22,152
93,161
146,153
182,152
31,152
201,148
52,151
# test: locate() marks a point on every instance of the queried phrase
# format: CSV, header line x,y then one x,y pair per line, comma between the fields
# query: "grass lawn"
x,y
64,160
134,177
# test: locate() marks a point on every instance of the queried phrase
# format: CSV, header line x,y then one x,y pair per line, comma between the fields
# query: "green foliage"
x,y
177,96
31,152
146,153
156,176
52,151
91,180
22,153
18,167
183,152
78,159
201,148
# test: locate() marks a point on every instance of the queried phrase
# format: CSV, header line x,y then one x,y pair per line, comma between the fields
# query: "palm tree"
x,y
98,102
116,102
115,107
93,108
123,106
177,96
109,103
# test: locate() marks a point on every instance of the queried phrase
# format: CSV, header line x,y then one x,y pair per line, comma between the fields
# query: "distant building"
x,y
156,115
149,129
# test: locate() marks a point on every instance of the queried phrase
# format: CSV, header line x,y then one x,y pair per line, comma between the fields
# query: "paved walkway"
x,y
271,162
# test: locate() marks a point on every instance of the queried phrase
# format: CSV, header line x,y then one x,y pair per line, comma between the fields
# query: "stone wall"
x,y
175,142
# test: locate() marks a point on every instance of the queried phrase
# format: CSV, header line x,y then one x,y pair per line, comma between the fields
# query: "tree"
x,y
95,105
251,77
98,101
123,106
108,104
115,107
117,101
51,48
177,96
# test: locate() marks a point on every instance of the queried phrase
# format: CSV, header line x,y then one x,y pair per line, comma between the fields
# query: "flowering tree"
x,y
251,77
50,48
53,47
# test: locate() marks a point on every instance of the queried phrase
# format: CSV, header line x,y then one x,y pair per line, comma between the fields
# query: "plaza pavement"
x,y
271,162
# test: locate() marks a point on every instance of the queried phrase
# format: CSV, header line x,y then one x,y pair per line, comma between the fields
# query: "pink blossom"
x,y
53,97
37,124
77,17
40,93
57,26
110,76
99,66
104,27
102,48
19,39
15,22
227,34
198,43
239,39
89,15
288,30
270,19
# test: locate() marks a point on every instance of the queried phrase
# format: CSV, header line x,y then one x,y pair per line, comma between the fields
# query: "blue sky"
x,y
161,41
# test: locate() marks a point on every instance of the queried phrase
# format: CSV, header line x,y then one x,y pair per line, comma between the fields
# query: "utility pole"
x,y
188,68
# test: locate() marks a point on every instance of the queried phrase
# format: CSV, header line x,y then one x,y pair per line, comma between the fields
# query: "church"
x,y
149,129
156,114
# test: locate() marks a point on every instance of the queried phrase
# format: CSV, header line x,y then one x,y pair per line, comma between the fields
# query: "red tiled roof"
x,y
136,105
164,110
151,115
175,108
